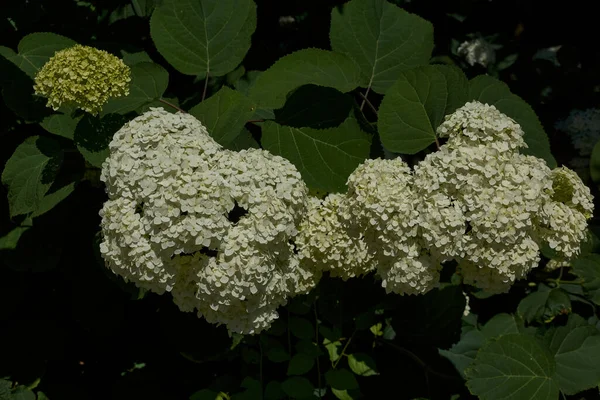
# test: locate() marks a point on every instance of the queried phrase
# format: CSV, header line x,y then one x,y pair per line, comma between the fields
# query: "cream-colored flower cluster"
x,y
209,225
82,77
500,206
324,244
233,235
477,201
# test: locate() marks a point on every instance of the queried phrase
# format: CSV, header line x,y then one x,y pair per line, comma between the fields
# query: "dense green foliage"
x,y
326,85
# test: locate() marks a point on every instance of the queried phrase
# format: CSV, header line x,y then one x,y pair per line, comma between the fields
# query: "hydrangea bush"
x,y
321,215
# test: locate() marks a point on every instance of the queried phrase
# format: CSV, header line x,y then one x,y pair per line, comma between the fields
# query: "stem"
x,y
252,121
343,350
172,105
437,143
365,100
260,369
558,282
416,359
317,342
205,86
289,339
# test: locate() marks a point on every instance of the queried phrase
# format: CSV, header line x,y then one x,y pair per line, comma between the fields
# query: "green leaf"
x,y
346,394
204,394
5,389
273,391
576,349
382,38
544,305
308,66
500,324
93,135
463,353
203,37
301,328
53,197
243,141
19,97
341,379
148,83
588,269
334,348
135,57
11,239
224,114
22,393
30,172
513,367
362,364
325,158
300,364
308,348
490,90
278,354
41,396
60,124
314,106
297,387
415,105
35,50
246,82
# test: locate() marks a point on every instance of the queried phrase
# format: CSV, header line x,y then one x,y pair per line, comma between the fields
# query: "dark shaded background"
x,y
65,319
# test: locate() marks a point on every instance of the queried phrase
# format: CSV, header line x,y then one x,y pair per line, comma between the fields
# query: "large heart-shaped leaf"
x,y
203,37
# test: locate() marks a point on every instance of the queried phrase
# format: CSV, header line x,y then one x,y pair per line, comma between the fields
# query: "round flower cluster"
x,y
234,234
82,77
324,244
477,201
209,225
491,208
477,51
583,126
381,205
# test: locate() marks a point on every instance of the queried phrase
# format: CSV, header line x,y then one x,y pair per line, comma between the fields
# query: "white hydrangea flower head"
x,y
477,51
563,220
477,206
324,243
413,271
381,206
209,225
477,123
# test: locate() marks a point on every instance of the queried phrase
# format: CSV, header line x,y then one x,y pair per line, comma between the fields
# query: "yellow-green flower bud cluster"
x,y
82,77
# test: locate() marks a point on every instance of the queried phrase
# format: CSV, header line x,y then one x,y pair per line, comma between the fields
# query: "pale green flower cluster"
x,y
209,225
82,77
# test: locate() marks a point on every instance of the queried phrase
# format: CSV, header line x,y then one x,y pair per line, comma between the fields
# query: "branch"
x,y
172,105
205,86
365,100
416,359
